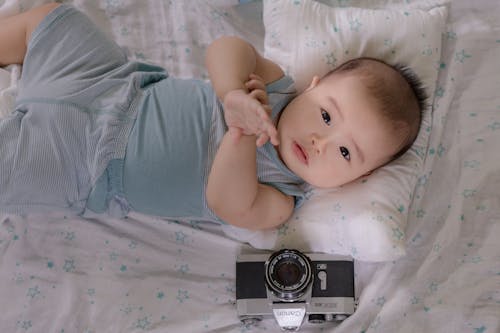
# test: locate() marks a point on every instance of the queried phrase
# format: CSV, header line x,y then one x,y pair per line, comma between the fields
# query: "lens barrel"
x,y
288,274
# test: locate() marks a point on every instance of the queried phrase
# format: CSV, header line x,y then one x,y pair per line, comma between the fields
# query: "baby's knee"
x,y
36,15
48,7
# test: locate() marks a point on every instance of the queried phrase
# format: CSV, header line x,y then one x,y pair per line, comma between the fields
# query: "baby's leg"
x,y
16,32
76,104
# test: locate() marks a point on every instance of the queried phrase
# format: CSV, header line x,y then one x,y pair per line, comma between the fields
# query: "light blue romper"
x,y
171,149
77,102
92,130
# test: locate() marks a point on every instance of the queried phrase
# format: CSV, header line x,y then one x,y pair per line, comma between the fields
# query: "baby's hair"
x,y
415,84
402,101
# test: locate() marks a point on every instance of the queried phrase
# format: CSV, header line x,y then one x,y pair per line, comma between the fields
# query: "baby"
x,y
94,131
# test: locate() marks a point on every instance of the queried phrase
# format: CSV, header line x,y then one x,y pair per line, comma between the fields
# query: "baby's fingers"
x,y
272,133
262,138
264,114
268,133
254,83
254,76
259,95
268,125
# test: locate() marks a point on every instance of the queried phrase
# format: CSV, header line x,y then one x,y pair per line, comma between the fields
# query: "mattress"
x,y
146,274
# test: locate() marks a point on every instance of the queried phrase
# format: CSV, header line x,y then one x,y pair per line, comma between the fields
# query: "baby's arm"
x,y
230,60
233,191
15,33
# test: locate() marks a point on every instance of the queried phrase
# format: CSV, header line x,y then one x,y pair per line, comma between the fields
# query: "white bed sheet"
x,y
143,274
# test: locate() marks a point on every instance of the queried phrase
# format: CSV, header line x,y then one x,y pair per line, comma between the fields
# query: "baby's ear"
x,y
314,82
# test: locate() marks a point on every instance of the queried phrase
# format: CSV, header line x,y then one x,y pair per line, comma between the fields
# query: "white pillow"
x,y
366,218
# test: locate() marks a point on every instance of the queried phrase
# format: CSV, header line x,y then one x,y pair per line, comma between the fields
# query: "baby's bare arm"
x,y
233,191
230,60
15,33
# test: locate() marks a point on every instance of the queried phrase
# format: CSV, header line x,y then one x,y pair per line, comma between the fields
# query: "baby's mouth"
x,y
300,152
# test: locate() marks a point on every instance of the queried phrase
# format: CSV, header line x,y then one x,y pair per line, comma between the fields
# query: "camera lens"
x,y
288,274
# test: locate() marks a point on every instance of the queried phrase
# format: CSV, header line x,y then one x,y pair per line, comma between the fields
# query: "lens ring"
x,y
288,274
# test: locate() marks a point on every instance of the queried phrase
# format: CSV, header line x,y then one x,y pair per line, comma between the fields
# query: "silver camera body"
x,y
290,285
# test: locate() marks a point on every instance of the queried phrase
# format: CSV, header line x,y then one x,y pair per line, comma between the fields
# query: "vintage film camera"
x,y
291,285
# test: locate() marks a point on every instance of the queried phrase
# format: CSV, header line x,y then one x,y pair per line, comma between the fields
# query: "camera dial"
x,y
288,274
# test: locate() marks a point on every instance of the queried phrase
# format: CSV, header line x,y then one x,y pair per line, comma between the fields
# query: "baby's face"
x,y
331,134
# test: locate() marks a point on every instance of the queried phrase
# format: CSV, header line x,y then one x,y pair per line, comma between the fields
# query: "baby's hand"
x,y
249,114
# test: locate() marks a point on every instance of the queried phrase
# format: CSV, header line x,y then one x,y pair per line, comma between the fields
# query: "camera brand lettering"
x,y
296,313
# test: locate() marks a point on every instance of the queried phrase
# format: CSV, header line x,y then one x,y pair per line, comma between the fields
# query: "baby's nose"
x,y
318,144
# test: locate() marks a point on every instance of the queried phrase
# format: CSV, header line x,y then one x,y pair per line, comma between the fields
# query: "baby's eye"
x,y
326,117
345,153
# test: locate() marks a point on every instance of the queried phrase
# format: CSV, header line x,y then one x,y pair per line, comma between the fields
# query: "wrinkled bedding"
x,y
145,274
